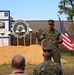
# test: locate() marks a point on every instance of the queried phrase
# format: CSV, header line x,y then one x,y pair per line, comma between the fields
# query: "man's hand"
x,y
36,32
58,42
37,36
55,42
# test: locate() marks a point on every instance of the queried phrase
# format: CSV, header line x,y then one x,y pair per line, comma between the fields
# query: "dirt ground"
x,y
32,54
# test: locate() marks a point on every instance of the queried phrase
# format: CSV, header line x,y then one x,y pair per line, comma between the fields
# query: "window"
x,y
5,14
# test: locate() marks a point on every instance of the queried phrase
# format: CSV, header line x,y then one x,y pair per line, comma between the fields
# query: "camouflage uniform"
x,y
18,72
49,37
47,68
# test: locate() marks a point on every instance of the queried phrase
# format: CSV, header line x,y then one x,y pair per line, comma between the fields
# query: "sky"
x,y
32,9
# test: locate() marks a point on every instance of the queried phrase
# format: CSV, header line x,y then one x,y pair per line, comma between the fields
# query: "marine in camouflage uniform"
x,y
47,67
52,38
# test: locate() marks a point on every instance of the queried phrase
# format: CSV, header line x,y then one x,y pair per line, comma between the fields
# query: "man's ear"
x,y
11,66
43,54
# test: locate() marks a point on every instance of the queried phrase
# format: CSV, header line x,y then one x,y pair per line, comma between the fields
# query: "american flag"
x,y
73,43
66,40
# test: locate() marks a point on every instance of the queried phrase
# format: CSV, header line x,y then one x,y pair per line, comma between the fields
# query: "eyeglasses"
x,y
50,24
47,50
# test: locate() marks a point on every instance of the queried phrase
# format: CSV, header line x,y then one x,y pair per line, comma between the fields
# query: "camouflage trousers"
x,y
56,56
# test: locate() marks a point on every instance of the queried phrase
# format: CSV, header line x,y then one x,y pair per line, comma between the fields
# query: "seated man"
x,y
18,65
48,67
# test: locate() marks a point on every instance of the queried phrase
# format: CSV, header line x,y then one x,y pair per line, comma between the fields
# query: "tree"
x,y
67,7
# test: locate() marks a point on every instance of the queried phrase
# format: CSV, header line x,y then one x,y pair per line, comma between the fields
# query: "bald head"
x,y
18,61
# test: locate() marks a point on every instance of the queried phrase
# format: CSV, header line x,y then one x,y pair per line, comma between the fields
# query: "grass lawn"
x,y
68,67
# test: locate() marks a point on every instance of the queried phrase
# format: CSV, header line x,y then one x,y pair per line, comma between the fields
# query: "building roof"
x,y
43,24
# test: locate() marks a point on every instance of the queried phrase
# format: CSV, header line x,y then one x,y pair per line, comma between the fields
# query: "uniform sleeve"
x,y
34,71
58,70
38,70
59,35
43,35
